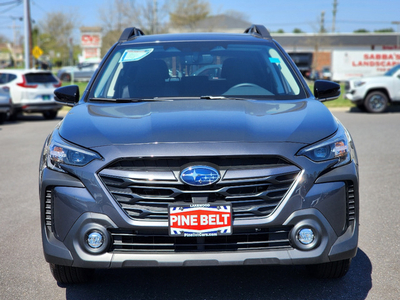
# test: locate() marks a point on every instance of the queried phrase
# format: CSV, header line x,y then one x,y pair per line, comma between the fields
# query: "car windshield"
x,y
197,69
392,70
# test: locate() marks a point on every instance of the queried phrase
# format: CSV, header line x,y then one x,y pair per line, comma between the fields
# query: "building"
x,y
322,45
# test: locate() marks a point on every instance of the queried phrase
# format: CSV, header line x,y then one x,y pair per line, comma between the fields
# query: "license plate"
x,y
46,97
198,220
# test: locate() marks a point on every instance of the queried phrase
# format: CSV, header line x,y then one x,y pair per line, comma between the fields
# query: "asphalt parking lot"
x,y
374,274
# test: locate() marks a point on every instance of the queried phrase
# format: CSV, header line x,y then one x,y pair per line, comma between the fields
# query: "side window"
x,y
3,78
6,78
11,77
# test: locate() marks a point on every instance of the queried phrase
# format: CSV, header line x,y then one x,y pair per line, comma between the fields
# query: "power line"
x,y
10,8
10,2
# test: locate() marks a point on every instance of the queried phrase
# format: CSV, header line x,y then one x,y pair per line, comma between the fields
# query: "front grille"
x,y
346,86
145,187
241,239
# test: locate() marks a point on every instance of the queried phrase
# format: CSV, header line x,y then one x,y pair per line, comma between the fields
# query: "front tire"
x,y
376,102
13,116
3,117
68,275
361,107
65,77
330,270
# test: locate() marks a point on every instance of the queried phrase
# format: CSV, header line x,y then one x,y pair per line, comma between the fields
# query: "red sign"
x,y
200,220
90,40
91,53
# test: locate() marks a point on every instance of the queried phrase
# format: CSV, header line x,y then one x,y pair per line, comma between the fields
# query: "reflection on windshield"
x,y
146,109
254,71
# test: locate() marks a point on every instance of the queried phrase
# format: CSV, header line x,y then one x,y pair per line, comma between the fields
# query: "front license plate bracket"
x,y
199,220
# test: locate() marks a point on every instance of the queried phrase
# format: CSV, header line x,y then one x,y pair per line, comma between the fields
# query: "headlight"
x,y
58,152
335,147
359,83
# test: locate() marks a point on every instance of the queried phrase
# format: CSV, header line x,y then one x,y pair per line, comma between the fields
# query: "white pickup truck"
x,y
374,94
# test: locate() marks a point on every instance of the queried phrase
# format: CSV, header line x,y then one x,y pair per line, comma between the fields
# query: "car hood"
x,y
375,79
189,121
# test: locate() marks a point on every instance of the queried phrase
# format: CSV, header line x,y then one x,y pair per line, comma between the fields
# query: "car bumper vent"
x,y
265,238
144,189
49,210
351,209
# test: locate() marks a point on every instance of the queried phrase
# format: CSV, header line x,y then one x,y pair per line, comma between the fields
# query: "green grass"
x,y
340,102
82,85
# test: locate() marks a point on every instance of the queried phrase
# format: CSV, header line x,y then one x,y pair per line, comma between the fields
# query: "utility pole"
x,y
334,15
398,33
28,35
322,24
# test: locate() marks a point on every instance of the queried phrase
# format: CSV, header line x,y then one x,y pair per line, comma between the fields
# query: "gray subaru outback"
x,y
160,164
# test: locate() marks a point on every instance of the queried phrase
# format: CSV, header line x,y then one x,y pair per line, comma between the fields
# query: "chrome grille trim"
x,y
240,240
254,190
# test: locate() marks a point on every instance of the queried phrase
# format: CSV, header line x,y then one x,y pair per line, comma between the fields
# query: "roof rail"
x,y
259,30
129,32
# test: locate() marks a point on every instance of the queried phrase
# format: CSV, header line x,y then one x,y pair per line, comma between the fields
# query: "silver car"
x,y
5,104
81,72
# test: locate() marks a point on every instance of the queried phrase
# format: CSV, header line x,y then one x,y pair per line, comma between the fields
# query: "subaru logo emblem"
x,y
199,175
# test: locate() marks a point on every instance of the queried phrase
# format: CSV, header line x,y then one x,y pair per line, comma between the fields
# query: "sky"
x,y
274,14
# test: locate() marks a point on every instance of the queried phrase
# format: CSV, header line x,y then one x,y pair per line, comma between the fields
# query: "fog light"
x,y
95,239
305,236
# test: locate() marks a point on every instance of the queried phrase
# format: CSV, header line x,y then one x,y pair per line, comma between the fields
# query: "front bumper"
x,y
40,107
5,108
354,97
323,207
355,94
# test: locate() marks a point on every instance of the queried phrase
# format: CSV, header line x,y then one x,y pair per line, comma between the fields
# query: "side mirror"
x,y
326,90
67,95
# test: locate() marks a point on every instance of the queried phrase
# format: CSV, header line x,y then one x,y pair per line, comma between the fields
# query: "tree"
x,y
384,30
185,13
3,39
237,15
117,15
54,35
297,30
361,31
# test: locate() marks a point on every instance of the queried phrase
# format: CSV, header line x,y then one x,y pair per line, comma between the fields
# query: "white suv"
x,y
31,91
374,94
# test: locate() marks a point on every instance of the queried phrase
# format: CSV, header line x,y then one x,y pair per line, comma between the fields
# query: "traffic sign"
x,y
37,52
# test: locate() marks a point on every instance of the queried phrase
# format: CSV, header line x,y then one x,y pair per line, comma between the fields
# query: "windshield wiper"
x,y
121,100
221,98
